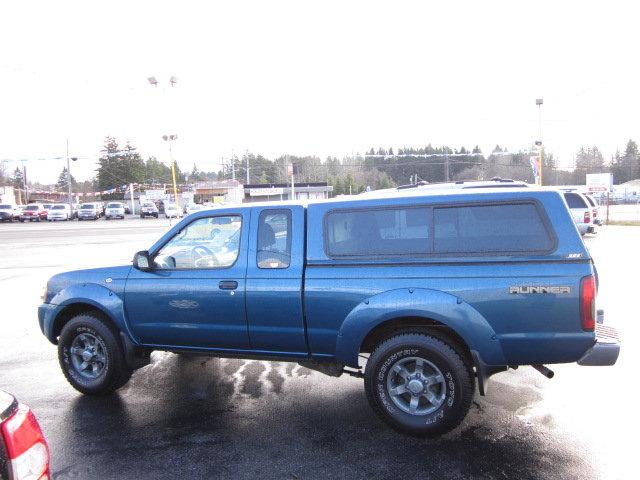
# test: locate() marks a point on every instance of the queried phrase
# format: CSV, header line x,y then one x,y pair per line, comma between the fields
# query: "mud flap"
x,y
484,371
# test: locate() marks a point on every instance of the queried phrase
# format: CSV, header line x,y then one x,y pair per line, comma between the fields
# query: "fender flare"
x,y
98,296
445,308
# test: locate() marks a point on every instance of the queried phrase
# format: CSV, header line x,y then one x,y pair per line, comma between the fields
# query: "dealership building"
x,y
282,191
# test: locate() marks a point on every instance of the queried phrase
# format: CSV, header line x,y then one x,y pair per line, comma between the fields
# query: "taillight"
x,y
26,446
587,217
595,214
588,303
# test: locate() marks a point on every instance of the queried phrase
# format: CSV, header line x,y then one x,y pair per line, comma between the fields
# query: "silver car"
x,y
89,211
60,211
114,210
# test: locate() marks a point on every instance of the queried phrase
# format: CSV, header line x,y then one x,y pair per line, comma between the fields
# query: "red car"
x,y
33,212
24,453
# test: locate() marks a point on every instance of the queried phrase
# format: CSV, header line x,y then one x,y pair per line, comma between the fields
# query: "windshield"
x,y
114,205
151,205
87,206
59,207
31,207
5,207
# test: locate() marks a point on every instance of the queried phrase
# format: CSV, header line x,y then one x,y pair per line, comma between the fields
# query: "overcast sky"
x,y
323,78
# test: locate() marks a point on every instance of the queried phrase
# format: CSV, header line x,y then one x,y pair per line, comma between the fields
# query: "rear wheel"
x,y
419,384
91,356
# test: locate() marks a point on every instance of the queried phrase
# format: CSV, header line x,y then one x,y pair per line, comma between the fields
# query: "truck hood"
x,y
112,278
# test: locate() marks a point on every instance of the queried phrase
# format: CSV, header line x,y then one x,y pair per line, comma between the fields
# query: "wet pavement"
x,y
195,417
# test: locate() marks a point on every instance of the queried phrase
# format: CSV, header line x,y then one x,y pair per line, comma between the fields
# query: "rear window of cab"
x,y
418,231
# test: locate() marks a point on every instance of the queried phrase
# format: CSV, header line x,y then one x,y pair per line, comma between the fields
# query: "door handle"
x,y
228,285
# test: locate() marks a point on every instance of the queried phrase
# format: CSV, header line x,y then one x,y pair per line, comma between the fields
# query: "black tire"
x,y
155,215
455,390
114,373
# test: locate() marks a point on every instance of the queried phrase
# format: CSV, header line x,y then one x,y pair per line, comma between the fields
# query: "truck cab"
x,y
423,293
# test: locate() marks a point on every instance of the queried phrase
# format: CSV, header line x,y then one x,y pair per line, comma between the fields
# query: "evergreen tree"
x,y
626,167
17,180
62,185
119,167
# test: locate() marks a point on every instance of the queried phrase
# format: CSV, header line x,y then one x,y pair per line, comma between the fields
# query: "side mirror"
x,y
141,261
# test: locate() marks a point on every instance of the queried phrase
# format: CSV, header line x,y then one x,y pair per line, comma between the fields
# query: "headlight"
x,y
43,295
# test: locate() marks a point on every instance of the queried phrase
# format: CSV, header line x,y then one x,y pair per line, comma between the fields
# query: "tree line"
x,y
377,168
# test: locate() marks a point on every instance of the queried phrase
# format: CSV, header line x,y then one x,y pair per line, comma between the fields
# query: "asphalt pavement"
x,y
220,418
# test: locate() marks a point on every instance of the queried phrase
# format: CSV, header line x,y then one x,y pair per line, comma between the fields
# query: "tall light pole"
x,y
539,103
169,139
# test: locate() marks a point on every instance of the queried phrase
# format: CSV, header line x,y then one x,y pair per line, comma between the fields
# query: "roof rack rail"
x,y
421,183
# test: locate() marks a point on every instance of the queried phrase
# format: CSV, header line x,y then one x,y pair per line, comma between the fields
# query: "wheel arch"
x,y
399,325
78,308
86,297
441,313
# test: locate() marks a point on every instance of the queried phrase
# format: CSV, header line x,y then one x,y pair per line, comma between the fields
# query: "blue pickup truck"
x,y
424,293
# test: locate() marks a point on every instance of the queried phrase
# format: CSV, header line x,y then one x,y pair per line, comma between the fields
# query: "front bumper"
x,y
605,350
46,314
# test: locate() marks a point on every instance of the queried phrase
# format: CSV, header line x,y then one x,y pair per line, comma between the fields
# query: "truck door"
x,y
275,266
194,295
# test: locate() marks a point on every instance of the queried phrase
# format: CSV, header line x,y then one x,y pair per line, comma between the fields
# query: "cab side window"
x,y
274,239
211,242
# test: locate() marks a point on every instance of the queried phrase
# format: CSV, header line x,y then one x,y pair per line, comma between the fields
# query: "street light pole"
x,y
169,138
539,102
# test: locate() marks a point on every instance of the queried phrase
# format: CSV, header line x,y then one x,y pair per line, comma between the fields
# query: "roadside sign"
x,y
599,182
155,194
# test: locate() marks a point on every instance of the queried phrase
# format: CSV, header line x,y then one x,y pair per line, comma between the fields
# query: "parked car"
x,y
581,212
114,210
89,211
9,212
59,211
382,288
148,209
24,453
170,210
595,209
192,208
34,212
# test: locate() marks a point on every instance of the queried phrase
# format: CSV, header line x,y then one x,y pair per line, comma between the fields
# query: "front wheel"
x,y
418,384
91,356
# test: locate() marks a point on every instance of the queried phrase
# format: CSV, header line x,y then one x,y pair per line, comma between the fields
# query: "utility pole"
x,y
26,188
446,165
69,177
246,155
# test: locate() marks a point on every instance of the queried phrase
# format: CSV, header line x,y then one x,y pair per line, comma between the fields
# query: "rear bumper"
x,y
606,349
